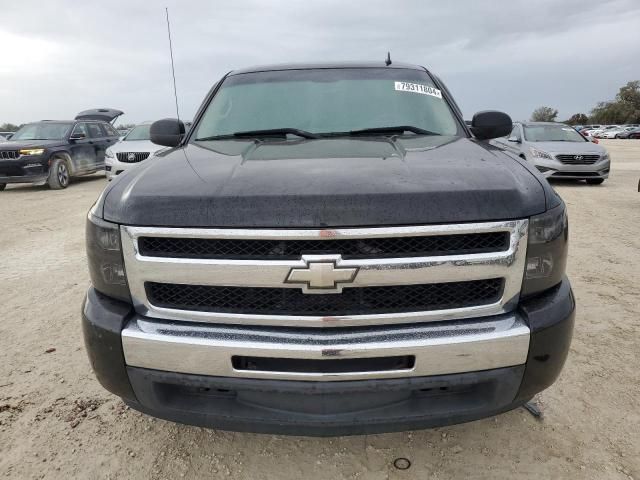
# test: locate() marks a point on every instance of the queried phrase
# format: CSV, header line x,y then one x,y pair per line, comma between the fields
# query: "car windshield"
x,y
328,101
551,133
43,131
141,132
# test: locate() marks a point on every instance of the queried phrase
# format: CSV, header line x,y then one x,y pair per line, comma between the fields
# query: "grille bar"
x,y
9,154
352,301
244,249
578,159
132,157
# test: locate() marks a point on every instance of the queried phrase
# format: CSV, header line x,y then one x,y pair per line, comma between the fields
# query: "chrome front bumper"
x,y
454,347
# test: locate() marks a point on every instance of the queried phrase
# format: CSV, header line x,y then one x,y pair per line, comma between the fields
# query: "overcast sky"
x,y
60,57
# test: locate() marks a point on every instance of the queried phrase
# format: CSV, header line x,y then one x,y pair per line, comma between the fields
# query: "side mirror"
x,y
167,132
514,139
77,136
491,124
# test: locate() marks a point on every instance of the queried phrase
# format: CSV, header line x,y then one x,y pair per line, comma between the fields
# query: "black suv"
x,y
53,151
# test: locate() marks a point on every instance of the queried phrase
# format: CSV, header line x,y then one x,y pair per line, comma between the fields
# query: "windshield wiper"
x,y
262,133
385,131
391,130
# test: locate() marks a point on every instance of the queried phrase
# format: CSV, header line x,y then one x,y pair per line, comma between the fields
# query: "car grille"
x,y
9,154
577,159
400,274
289,249
352,301
135,156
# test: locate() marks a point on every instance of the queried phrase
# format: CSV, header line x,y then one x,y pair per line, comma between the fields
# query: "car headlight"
x,y
605,156
109,153
104,255
540,154
546,250
31,151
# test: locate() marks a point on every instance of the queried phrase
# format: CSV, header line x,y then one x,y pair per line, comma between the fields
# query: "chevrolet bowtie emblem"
x,y
322,274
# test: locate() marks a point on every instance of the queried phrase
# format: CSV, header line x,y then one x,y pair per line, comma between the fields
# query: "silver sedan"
x,y
557,151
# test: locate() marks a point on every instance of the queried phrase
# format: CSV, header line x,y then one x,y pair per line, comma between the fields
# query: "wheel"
x,y
3,186
58,174
595,181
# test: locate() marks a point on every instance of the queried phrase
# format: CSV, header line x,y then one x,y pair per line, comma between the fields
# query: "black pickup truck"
x,y
329,250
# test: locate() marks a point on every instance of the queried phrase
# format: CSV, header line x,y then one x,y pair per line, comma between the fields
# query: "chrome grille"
x,y
132,157
242,249
352,301
9,154
414,274
578,159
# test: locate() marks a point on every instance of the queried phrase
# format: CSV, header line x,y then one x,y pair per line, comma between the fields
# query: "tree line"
x,y
624,108
9,127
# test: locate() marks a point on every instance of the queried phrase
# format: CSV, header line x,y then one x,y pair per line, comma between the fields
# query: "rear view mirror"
x,y
513,139
491,124
167,132
78,136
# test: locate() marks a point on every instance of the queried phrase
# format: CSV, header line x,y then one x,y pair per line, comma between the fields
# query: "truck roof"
x,y
327,65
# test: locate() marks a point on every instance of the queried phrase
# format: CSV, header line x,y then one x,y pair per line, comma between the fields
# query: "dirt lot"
x,y
57,422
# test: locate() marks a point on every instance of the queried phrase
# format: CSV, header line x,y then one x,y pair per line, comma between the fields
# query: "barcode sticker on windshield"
x,y
418,88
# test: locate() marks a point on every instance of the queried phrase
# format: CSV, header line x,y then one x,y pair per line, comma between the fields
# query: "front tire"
x,y
3,186
59,174
595,181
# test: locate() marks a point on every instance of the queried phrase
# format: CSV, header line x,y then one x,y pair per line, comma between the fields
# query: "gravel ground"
x,y
57,422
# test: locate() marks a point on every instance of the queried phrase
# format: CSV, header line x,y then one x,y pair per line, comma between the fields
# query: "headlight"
x,y
104,255
546,250
31,151
109,153
540,154
605,156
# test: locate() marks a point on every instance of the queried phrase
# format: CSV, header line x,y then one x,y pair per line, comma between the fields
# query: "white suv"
x,y
132,149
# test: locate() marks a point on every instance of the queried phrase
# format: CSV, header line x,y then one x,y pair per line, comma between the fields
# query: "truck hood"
x,y
335,182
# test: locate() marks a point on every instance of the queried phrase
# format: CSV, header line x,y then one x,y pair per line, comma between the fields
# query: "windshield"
x,y
551,133
43,131
141,132
327,101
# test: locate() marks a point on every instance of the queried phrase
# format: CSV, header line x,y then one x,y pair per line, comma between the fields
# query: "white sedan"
x,y
134,148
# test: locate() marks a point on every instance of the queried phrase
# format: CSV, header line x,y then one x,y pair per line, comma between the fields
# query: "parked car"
x,y
557,151
614,132
134,148
635,134
627,132
587,135
329,250
53,151
598,133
